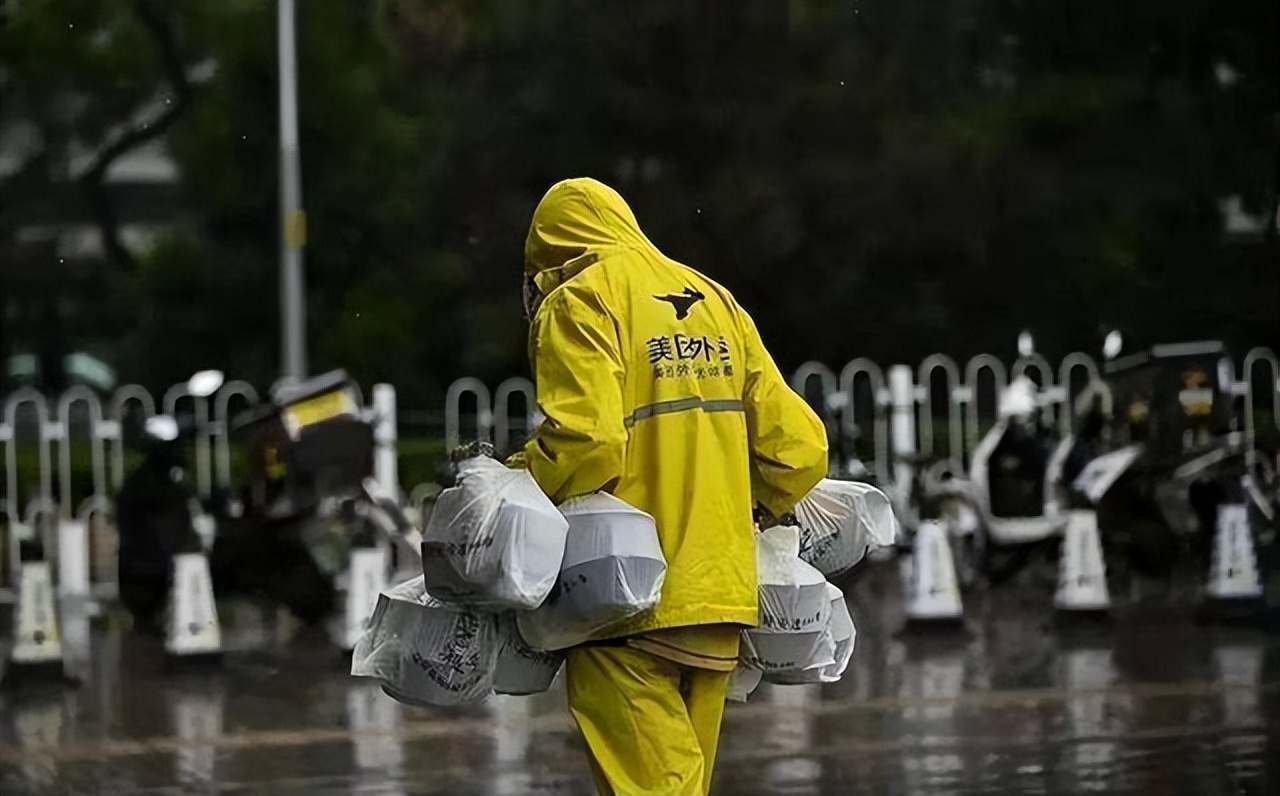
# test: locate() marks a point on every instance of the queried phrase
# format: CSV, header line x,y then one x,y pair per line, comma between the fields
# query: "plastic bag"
x,y
521,669
840,521
794,608
838,637
742,682
425,652
613,569
494,540
807,670
843,632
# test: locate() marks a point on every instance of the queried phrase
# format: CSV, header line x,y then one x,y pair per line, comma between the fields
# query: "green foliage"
x,y
884,178
418,460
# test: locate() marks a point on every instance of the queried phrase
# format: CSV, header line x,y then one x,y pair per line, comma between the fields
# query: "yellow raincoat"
x,y
655,386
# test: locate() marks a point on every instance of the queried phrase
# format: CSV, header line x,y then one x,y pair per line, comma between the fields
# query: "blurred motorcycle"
x,y
1004,508
1157,450
310,500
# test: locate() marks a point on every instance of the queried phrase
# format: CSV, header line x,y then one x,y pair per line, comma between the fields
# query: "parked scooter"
x,y
1006,506
1157,449
310,501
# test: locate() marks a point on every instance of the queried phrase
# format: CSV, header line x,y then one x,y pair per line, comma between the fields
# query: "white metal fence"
x,y
966,391
888,414
46,424
865,403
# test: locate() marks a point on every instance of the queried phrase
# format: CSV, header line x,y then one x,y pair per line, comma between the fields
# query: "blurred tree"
x,y
82,84
877,178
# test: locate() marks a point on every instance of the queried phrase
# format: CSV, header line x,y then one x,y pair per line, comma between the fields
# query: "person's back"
x,y
656,387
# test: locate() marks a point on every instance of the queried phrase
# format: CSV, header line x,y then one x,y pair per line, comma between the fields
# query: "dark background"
x,y
881,178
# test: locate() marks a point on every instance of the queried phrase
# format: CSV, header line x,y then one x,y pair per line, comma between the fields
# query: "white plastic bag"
x,y
425,652
794,608
840,521
810,670
521,669
843,632
838,637
742,682
494,540
613,569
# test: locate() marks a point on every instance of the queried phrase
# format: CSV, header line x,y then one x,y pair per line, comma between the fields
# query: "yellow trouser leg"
x,y
652,726
704,695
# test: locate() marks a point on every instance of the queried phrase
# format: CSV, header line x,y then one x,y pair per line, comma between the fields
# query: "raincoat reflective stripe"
x,y
681,405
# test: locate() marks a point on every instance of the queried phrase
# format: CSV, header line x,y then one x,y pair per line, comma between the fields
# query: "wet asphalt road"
x,y
1153,702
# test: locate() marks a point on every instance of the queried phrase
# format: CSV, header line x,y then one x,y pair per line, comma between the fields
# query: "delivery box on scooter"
x,y
310,441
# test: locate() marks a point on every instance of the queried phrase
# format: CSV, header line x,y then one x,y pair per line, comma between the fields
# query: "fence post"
x,y
501,401
123,395
106,586
879,405
1251,359
903,433
26,395
955,419
221,428
972,371
452,411
98,457
200,410
385,470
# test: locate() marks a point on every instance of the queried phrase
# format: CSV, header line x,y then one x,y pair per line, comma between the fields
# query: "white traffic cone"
x,y
193,615
933,594
1233,571
37,641
368,577
1082,577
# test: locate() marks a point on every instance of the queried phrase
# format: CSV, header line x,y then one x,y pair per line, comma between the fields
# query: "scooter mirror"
x,y
1113,344
1026,345
162,427
204,383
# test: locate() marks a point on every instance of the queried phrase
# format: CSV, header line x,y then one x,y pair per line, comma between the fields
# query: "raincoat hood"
x,y
573,226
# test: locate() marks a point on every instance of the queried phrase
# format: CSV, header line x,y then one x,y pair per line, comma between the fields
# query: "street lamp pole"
x,y
293,308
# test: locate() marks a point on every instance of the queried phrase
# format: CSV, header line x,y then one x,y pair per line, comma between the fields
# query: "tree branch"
x,y
134,135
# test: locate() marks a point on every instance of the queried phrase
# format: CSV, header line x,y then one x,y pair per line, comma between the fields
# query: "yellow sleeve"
x,y
788,442
579,447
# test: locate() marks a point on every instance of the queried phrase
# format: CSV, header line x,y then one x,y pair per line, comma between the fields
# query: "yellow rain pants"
x,y
652,725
